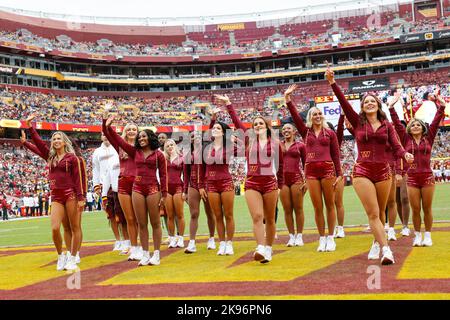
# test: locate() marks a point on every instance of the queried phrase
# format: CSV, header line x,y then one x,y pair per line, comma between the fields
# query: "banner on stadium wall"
x,y
369,85
12,70
441,34
231,26
16,124
9,44
412,38
6,123
351,44
331,109
33,48
425,36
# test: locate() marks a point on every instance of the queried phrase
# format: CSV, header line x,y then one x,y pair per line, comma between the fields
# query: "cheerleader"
x,y
322,168
219,183
418,139
194,186
125,185
79,155
339,190
66,185
294,187
371,173
401,168
65,220
148,194
175,196
264,177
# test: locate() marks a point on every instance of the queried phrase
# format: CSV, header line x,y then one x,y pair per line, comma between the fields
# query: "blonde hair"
x,y
124,132
176,149
309,118
68,148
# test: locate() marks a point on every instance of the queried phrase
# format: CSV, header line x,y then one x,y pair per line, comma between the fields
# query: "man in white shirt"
x,y
105,178
36,205
89,200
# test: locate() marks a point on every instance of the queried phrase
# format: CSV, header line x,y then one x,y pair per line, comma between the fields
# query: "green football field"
x,y
95,225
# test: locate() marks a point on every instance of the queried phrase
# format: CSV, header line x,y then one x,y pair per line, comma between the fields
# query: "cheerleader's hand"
x,y
336,182
203,194
329,74
162,202
305,189
30,119
289,91
23,137
110,120
398,180
81,204
183,196
223,99
409,157
394,101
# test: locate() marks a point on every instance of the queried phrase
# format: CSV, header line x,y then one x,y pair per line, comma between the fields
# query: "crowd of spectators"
x,y
298,38
187,110
18,105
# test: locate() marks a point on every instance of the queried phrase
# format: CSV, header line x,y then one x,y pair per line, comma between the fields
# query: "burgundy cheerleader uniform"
x,y
419,173
373,160
322,151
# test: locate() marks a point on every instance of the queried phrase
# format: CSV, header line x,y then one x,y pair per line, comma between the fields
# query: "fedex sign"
x,y
332,110
328,110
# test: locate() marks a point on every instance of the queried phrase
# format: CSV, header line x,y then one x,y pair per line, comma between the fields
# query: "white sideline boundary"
x,y
199,235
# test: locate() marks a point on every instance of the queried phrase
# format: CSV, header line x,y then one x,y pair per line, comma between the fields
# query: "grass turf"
x,y
95,225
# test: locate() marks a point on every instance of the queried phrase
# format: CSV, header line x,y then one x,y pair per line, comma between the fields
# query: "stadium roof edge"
x,y
209,20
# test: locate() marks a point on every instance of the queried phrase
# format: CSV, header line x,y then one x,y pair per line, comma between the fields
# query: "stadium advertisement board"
x,y
369,85
433,35
331,109
67,127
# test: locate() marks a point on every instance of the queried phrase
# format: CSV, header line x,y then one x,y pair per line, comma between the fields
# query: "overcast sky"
x,y
157,8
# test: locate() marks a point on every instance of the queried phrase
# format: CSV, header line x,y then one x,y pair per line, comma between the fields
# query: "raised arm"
x,y
40,144
298,121
30,146
231,111
401,131
340,129
351,115
434,126
397,148
115,139
108,136
34,149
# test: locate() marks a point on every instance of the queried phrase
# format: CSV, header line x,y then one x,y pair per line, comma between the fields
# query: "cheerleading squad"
x,y
141,177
